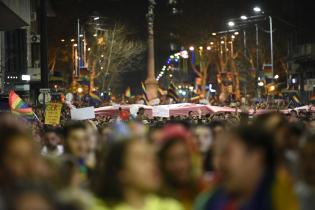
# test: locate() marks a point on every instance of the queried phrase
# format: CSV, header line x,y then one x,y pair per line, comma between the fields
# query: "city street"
x,y
157,105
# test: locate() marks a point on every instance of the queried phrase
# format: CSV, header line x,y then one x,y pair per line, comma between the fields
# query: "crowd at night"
x,y
157,105
216,161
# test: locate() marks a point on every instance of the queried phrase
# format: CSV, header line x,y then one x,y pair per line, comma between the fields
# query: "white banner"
x,y
83,113
160,111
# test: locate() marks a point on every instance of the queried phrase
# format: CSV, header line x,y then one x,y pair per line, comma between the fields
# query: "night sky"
x,y
199,17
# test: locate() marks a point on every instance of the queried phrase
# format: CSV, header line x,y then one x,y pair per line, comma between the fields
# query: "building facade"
x,y
301,74
19,45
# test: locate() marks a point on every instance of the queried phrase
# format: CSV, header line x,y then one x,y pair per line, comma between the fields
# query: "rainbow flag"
x,y
95,97
85,81
296,100
267,68
172,92
128,92
145,96
19,107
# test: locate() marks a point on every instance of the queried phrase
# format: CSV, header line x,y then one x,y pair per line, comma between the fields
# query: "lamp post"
x,y
271,45
257,51
151,83
259,14
232,24
258,10
77,70
245,43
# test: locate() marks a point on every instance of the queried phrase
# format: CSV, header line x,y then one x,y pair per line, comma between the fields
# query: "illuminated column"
x,y
151,83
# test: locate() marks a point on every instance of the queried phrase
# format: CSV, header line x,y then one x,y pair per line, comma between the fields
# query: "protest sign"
x,y
52,113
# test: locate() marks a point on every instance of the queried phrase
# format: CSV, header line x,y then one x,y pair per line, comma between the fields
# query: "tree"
x,y
112,51
200,64
223,62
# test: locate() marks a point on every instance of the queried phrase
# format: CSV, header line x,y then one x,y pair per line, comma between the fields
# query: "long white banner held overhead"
x,y
161,111
86,113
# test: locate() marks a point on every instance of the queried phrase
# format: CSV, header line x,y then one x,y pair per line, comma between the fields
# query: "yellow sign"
x,y
52,113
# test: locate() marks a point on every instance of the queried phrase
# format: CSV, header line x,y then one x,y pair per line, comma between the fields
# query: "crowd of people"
x,y
213,162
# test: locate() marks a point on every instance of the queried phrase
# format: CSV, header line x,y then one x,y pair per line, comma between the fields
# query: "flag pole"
x,y
36,116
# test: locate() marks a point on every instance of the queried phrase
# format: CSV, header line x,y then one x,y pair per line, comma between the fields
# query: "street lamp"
x,y
276,76
208,48
231,24
214,34
96,18
271,44
191,48
260,84
244,17
272,88
236,33
257,9
80,90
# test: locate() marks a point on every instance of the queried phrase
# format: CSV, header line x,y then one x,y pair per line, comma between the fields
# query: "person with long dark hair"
x,y
127,177
180,164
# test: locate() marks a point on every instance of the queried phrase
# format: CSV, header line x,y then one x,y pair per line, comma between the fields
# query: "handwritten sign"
x,y
52,113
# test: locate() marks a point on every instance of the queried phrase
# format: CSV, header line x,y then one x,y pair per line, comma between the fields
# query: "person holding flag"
x,y
145,96
19,107
94,99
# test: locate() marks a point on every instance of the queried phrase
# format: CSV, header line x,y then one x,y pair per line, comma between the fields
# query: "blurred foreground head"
x,y
127,166
248,156
17,149
307,158
276,124
174,155
92,133
31,196
76,139
204,138
217,128
52,140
